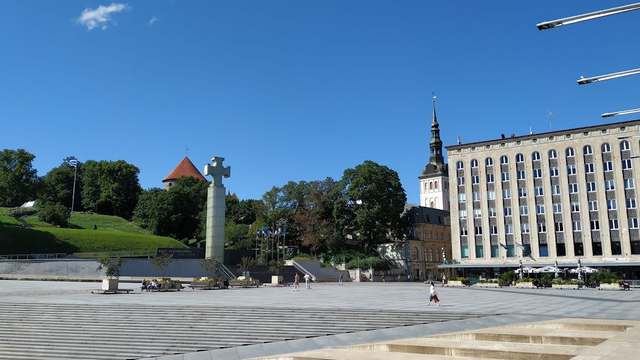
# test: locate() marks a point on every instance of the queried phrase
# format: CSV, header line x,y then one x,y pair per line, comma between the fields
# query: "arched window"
x,y
504,160
430,185
587,150
535,156
624,145
570,152
432,204
606,148
459,165
435,185
553,154
488,161
519,158
474,163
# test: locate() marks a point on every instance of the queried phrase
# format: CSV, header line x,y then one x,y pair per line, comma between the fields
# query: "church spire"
x,y
435,145
434,116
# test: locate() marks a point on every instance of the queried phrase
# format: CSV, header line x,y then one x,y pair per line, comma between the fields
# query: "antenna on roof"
x,y
549,117
458,140
530,130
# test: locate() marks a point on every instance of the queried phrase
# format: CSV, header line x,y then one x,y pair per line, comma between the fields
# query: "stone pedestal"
x,y
215,223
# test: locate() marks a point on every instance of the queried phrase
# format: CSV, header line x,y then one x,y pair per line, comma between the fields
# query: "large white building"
x,y
547,197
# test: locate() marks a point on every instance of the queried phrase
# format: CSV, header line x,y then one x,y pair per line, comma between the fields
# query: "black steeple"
x,y
436,165
435,145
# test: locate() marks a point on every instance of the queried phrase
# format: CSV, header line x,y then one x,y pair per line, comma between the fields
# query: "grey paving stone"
x,y
65,318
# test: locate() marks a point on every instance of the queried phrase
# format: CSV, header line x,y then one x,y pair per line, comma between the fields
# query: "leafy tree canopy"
x,y
18,179
177,212
57,186
370,205
110,187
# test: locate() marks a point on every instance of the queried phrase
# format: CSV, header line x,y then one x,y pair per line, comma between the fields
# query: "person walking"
x,y
340,279
307,285
433,295
296,282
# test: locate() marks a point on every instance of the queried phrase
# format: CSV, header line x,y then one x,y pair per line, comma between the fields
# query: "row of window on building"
x,y
535,156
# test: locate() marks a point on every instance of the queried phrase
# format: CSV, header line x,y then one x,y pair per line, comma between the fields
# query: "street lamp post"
x,y
588,16
73,162
623,112
590,80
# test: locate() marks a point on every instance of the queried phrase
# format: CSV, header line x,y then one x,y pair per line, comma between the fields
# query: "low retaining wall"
x,y
91,269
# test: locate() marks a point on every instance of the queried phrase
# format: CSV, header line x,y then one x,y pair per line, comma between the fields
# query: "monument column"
x,y
214,248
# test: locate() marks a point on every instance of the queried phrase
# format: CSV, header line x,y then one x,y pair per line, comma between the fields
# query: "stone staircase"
x,y
319,272
578,339
133,331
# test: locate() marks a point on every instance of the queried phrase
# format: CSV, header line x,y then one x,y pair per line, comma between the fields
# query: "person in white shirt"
x,y
307,284
433,295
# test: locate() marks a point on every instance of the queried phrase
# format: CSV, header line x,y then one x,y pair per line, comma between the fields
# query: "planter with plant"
x,y
488,283
525,283
605,280
565,284
458,282
506,278
275,268
111,268
543,281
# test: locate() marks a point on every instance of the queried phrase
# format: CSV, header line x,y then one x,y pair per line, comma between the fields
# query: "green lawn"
x,y
30,235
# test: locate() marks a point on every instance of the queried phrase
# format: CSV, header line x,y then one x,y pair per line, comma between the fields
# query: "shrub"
x,y
465,281
602,277
373,262
565,282
545,280
55,214
111,266
20,212
506,278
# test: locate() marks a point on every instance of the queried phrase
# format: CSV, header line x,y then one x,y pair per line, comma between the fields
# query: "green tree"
x,y
54,214
177,212
315,219
18,179
370,205
242,211
110,187
57,186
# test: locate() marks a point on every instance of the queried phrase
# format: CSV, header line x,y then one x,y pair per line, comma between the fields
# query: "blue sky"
x,y
297,90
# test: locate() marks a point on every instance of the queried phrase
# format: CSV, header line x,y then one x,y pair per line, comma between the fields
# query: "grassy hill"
x,y
111,234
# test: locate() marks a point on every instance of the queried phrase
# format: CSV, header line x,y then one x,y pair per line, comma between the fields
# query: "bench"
x,y
160,289
109,292
203,286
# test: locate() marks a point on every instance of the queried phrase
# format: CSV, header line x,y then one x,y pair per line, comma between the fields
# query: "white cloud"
x,y
152,21
100,17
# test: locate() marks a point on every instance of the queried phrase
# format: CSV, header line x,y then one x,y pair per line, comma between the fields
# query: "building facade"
x,y
428,242
541,198
425,246
434,180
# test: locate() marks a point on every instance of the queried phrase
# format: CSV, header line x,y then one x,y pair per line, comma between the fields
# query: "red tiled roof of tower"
x,y
184,168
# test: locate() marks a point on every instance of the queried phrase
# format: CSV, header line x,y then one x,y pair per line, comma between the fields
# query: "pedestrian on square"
x,y
307,285
340,279
296,281
433,295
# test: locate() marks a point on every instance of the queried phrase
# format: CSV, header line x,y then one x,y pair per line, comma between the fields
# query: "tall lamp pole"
x,y
73,162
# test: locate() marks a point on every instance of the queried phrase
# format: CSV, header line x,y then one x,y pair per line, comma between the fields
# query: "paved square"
x,y
63,320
